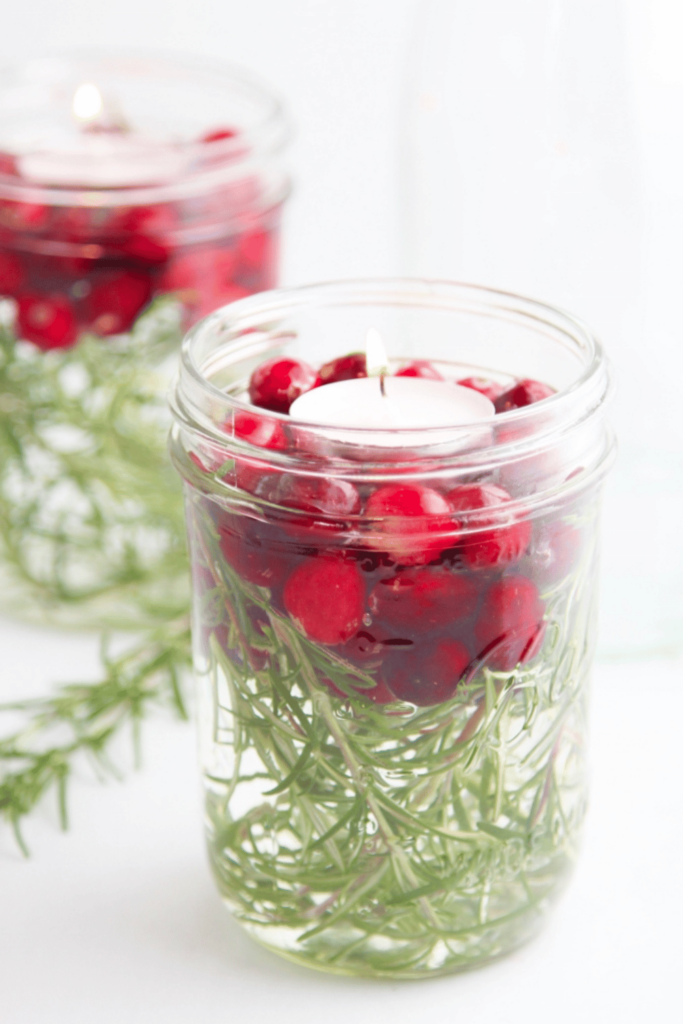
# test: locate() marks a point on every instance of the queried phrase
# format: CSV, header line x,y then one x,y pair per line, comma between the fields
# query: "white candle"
x,y
403,403
109,157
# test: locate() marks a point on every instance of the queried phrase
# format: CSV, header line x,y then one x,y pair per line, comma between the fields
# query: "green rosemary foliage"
x,y
84,718
91,533
385,840
91,519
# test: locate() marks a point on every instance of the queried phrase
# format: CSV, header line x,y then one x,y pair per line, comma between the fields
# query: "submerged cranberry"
x,y
23,216
507,538
257,552
524,392
509,628
420,368
47,320
423,599
328,496
348,367
484,385
161,217
145,249
276,383
412,523
11,274
255,249
115,303
325,598
259,430
426,676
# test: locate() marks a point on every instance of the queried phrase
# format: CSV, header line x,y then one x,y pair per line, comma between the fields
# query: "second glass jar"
x,y
120,225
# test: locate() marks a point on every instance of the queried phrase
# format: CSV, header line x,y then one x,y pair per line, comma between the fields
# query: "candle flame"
x,y
87,102
376,358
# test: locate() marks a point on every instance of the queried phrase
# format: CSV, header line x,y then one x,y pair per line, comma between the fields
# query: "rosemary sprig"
x,y
91,533
394,841
84,718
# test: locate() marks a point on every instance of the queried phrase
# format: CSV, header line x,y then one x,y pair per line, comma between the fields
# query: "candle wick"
x,y
381,384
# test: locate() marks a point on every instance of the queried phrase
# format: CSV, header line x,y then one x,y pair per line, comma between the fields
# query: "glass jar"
x,y
137,192
392,708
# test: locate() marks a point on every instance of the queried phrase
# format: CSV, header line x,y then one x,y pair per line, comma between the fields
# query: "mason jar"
x,y
392,703
137,193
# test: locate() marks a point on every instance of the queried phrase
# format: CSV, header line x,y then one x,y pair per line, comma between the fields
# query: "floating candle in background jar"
x,y
137,193
393,624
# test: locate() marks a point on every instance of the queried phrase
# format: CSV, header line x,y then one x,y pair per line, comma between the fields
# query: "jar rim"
x,y
560,411
261,139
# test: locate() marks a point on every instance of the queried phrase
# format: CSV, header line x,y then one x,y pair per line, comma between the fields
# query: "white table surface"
x,y
118,920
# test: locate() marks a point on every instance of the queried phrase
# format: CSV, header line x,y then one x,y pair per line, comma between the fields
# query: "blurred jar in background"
x,y
137,194
522,168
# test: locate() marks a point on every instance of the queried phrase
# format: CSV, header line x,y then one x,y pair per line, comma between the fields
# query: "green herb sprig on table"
x,y
92,533
85,718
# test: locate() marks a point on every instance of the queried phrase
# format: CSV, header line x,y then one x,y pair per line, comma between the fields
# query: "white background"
x,y
118,921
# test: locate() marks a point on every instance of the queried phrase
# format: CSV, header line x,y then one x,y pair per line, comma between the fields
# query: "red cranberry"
x,y
348,367
116,302
328,496
256,552
218,135
486,387
203,279
131,220
145,249
255,477
23,216
47,320
325,598
423,599
420,368
412,523
254,249
427,677
509,622
11,274
505,541
524,392
184,274
276,383
261,431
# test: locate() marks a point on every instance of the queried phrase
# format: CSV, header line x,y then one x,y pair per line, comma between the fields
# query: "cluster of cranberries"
x,y
73,269
415,585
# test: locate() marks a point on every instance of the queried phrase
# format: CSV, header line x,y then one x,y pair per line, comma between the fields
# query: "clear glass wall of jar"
x,y
137,193
392,717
